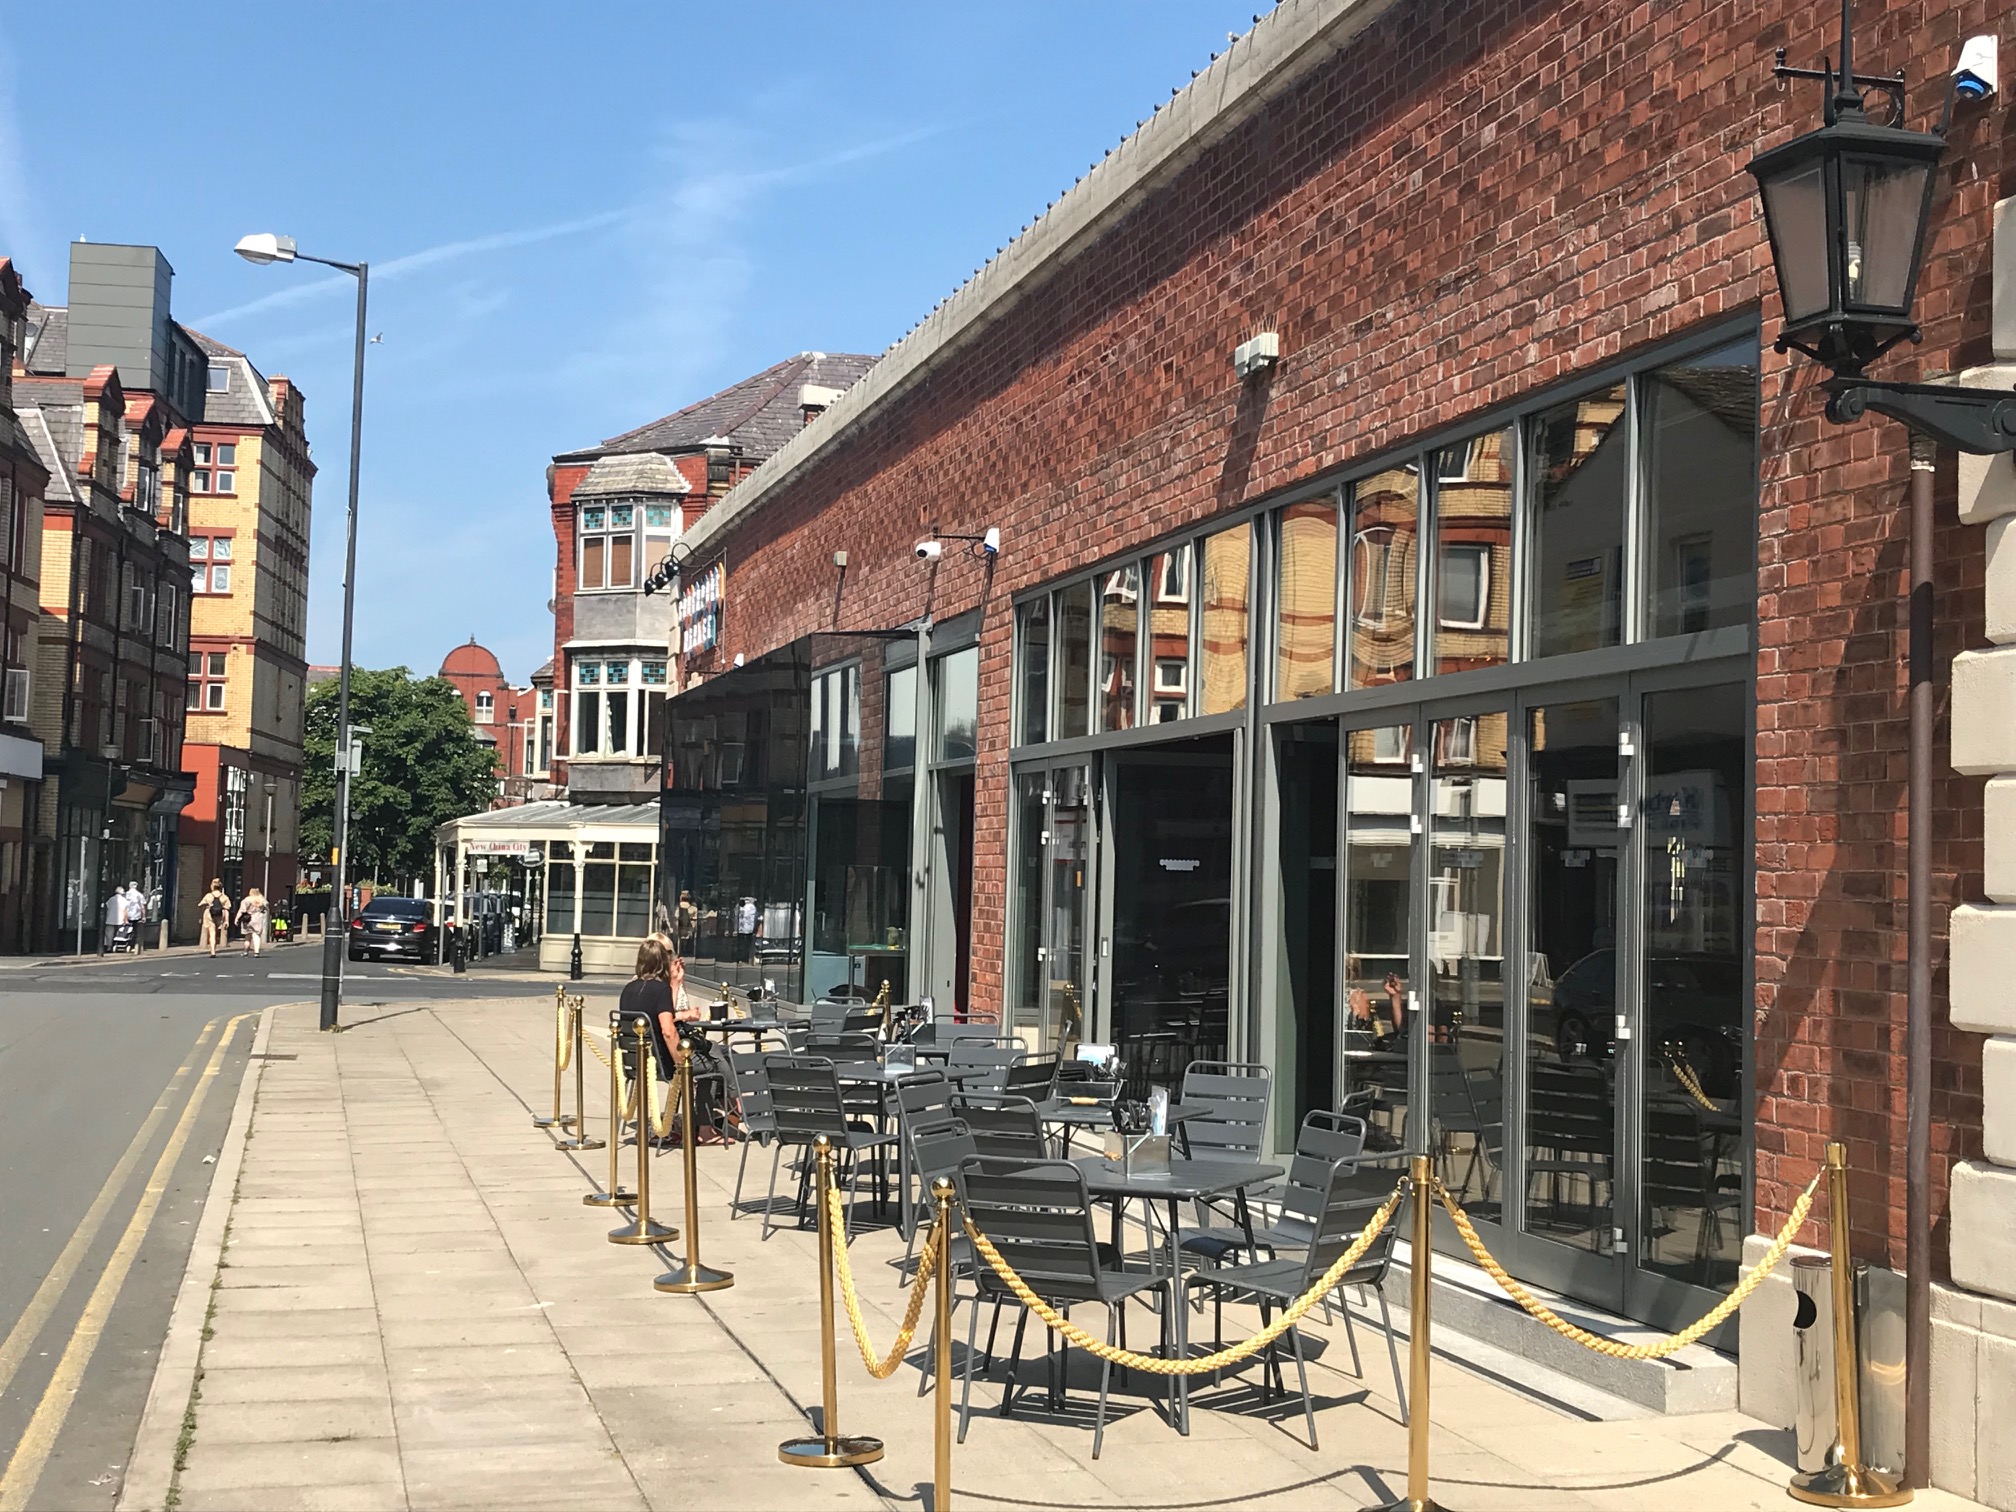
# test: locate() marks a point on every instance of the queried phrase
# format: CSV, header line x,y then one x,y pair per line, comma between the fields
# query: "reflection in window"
x,y
1074,660
1305,625
1385,514
899,739
1227,587
1701,491
1119,634
958,703
1466,981
1169,637
1033,658
1030,979
1579,470
1378,909
836,722
1473,533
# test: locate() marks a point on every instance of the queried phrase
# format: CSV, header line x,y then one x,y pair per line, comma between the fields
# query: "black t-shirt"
x,y
646,998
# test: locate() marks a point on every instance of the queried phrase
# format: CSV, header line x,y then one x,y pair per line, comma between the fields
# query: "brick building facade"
x,y
1524,224
506,718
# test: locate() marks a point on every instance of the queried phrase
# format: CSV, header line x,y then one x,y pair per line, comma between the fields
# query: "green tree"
x,y
423,765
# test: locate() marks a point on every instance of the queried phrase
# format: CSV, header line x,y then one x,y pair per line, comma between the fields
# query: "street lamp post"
x,y
1848,209
268,248
266,857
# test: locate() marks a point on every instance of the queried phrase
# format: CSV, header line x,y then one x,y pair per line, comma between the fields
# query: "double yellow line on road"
x,y
31,1454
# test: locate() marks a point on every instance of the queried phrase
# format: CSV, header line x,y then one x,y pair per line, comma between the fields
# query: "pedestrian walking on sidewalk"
x,y
136,914
115,920
215,909
252,918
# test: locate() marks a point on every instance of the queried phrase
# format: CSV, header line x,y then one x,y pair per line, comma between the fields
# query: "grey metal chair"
x,y
1236,1096
991,1063
1324,1139
756,1119
1037,1215
805,1097
1004,1127
922,1097
1343,1209
1033,1077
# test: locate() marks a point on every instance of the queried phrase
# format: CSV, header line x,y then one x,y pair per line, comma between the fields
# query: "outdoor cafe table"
x,y
1184,1181
1067,1116
885,1079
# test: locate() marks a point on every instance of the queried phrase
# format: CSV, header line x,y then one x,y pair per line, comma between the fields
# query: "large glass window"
x,y
608,546
561,887
1305,615
1570,971
1701,491
598,888
1031,811
1119,642
1579,472
899,719
1473,552
1074,661
1033,650
1385,523
836,722
1169,636
633,889
1225,623
587,727
958,704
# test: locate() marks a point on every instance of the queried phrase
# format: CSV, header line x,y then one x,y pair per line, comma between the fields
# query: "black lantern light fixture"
x,y
666,574
1848,209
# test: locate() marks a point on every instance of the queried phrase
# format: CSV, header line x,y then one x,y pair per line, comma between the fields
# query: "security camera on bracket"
x,y
986,545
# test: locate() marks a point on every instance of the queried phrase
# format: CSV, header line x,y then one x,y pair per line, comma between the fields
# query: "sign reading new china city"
x,y
700,610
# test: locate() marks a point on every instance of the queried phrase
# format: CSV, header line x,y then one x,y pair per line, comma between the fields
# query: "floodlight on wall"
x,y
666,573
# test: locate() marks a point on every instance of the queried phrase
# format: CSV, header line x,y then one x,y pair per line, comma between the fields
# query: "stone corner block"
x,y
2002,307
1998,840
1998,1100
1987,487
1983,1229
1981,975
1984,711
1999,616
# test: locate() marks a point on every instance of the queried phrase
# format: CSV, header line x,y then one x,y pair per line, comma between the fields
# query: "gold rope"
x,y
1202,1364
661,1125
881,1369
1657,1349
1684,1073
563,1047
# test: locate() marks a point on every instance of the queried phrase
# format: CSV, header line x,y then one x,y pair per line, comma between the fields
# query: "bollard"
x,y
692,1276
644,1230
574,960
615,1196
1418,1346
581,1140
1846,1481
456,958
941,1355
829,1451
559,1120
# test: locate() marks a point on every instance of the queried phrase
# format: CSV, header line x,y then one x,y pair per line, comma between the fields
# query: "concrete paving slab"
x,y
380,1496
215,1467
287,1383
477,1362
330,1420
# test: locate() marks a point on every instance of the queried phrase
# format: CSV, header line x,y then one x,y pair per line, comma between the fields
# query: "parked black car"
x,y
1692,1002
394,926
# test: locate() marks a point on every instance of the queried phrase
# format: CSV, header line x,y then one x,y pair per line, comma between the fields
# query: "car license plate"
x,y
387,928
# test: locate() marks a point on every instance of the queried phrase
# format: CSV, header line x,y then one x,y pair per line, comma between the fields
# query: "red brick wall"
x,y
1473,201
561,481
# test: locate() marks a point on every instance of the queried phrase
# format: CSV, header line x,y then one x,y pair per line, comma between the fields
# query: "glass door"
x,y
1053,862
1379,831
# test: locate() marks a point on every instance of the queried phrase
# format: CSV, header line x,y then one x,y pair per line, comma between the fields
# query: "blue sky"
x,y
573,228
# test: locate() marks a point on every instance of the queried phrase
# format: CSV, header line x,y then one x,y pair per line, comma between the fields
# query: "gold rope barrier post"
x,y
1845,1481
1417,1499
644,1230
941,1354
558,1120
692,1276
582,1140
829,1451
614,1196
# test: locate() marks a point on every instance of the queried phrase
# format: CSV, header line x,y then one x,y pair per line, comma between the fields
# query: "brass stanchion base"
x,y
581,1142
1407,1504
830,1454
564,1121
1841,1486
618,1198
653,1232
690,1278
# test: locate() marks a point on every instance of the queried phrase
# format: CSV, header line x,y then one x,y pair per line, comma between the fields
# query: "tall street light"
x,y
267,248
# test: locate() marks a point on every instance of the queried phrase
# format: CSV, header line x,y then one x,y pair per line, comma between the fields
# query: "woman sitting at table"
x,y
657,994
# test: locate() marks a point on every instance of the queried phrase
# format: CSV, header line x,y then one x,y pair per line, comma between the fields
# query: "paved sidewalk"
x,y
415,1310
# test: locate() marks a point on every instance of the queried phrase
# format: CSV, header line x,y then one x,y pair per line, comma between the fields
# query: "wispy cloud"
x,y
414,262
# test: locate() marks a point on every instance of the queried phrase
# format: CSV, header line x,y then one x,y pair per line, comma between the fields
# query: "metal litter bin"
x,y
1879,1343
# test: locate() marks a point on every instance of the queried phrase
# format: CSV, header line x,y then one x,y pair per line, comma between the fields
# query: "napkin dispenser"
x,y
1138,1154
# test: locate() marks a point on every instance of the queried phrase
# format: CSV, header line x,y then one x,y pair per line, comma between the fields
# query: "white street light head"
x,y
265,247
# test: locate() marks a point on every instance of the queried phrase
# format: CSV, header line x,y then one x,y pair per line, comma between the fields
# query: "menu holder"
x,y
1137,1154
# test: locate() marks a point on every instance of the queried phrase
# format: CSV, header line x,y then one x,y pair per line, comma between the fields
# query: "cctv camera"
x,y
928,551
1975,75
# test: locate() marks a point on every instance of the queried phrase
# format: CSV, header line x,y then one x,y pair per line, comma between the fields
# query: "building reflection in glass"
x,y
1378,929
1473,552
1385,540
1228,595
1306,600
1119,639
1169,636
1580,471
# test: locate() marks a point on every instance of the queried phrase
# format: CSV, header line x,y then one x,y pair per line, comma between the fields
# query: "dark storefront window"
x,y
1580,472
1033,652
1701,491
1074,661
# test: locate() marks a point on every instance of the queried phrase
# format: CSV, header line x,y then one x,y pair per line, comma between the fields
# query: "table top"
x,y
748,1025
1099,1115
1184,1180
888,1076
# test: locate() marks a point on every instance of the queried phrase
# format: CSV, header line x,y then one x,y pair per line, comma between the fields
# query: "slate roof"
x,y
50,351
61,485
246,401
628,473
760,413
